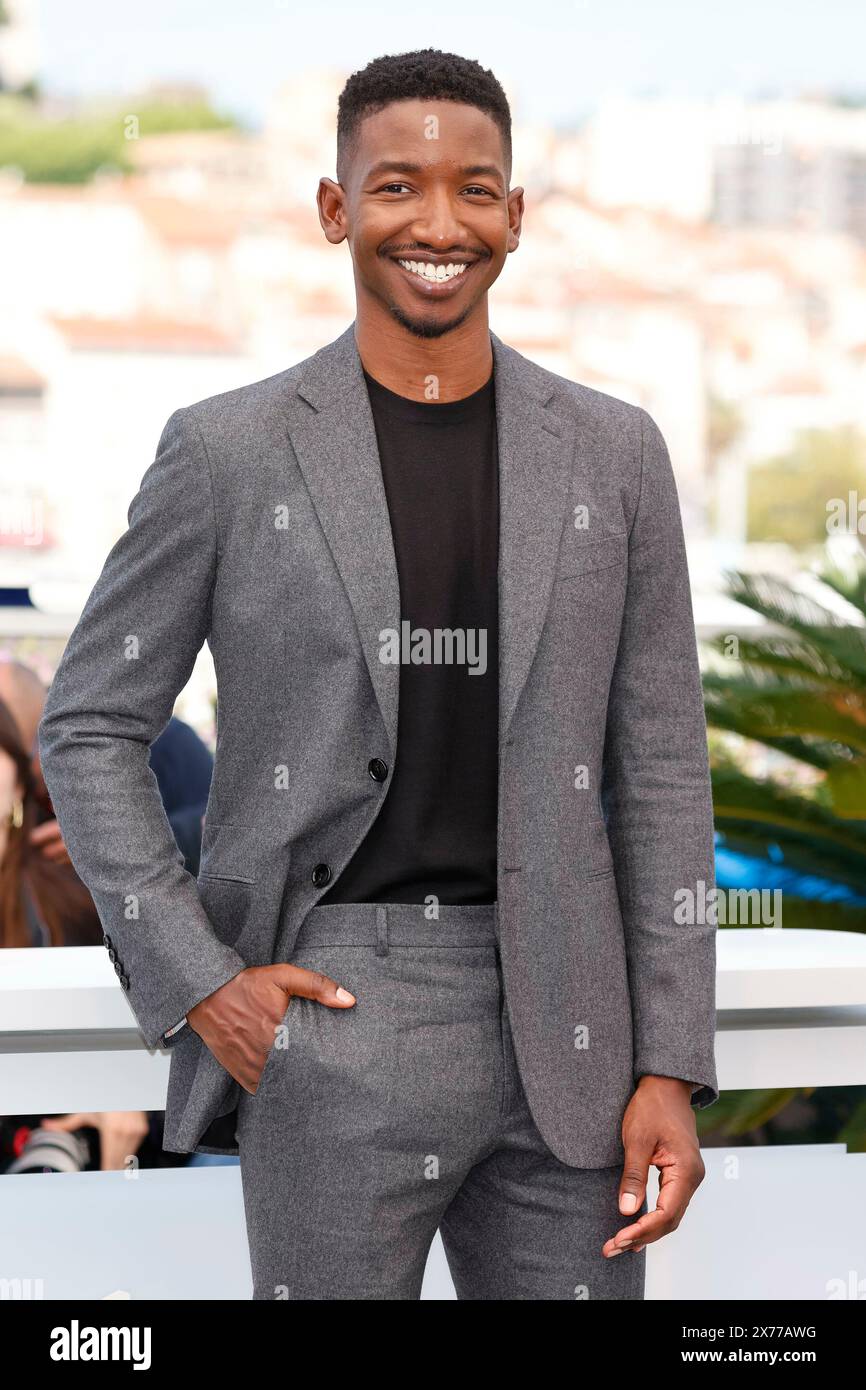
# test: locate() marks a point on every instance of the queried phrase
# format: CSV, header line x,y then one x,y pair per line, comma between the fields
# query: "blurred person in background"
x,y
42,900
44,903
181,763
24,696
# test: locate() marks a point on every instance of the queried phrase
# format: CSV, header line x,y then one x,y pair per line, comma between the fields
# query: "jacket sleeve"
x,y
657,796
130,654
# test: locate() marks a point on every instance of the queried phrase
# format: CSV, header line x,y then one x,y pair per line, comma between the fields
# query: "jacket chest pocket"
x,y
579,556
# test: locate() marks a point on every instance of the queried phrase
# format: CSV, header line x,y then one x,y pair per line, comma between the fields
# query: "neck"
x,y
461,361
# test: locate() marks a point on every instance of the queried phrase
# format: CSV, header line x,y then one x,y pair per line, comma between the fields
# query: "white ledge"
x,y
802,968
75,988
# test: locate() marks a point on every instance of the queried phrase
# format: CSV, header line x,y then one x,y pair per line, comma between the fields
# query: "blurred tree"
x,y
788,495
797,691
724,430
72,150
724,424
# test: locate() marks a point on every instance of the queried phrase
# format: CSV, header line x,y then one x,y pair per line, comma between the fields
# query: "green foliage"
x,y
724,424
737,1112
853,1132
797,693
72,150
788,495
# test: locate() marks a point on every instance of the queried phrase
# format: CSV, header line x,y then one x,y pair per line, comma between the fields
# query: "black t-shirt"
x,y
436,832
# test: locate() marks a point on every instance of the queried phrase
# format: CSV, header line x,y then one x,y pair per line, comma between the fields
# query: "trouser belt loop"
x,y
381,930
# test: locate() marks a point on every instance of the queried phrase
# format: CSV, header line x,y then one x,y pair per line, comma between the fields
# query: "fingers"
x,y
311,984
676,1187
239,1022
121,1134
635,1171
632,1190
648,1228
46,831
70,1122
49,841
651,1226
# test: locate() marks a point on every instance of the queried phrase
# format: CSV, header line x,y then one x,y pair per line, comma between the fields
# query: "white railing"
x,y
766,1223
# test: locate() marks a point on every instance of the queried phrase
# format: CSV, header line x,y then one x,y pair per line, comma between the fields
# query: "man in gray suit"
x,y
462,979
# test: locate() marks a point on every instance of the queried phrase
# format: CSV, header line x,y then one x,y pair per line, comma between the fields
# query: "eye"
x,y
390,187
476,188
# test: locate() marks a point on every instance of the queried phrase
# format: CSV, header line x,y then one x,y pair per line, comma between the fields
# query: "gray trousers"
x,y
375,1126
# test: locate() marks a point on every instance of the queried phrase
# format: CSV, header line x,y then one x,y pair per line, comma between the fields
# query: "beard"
x,y
428,327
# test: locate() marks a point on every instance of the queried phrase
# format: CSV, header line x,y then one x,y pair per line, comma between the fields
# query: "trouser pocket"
x,y
280,1045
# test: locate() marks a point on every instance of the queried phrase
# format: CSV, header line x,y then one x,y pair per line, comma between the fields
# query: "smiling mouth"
x,y
428,270
434,276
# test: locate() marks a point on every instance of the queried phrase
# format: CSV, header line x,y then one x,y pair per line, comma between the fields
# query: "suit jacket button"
x,y
377,769
118,968
124,982
112,954
107,941
321,875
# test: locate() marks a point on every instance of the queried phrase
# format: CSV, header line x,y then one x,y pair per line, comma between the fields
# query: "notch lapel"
x,y
335,445
535,456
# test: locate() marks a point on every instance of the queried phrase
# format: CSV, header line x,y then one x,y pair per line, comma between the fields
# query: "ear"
x,y
331,203
515,217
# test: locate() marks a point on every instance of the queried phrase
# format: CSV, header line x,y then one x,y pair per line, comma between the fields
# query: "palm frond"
x,y
808,663
778,603
762,712
754,815
737,1112
799,691
850,584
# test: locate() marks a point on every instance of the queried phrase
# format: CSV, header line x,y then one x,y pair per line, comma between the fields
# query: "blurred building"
x,y
659,262
792,164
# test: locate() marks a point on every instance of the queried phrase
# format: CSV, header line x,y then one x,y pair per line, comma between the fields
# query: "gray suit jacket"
x,y
262,528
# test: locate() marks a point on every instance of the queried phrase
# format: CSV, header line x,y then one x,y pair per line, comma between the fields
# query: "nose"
x,y
437,223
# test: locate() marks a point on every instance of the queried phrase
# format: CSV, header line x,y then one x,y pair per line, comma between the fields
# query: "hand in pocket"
x,y
239,1021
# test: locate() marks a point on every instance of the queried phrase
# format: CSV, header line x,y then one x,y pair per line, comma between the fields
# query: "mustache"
x,y
480,253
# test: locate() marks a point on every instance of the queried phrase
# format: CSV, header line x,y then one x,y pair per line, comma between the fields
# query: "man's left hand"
x,y
659,1128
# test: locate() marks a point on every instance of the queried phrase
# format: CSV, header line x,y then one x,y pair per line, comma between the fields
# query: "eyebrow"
x,y
389,166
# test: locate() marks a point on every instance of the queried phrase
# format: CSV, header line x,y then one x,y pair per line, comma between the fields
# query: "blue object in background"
x,y
746,871
183,767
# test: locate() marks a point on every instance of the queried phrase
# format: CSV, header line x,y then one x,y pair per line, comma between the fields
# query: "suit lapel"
x,y
535,454
335,445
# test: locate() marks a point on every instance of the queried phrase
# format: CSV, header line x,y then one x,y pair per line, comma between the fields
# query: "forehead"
x,y
429,132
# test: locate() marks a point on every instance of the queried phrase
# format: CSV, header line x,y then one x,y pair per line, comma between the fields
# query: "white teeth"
x,y
428,271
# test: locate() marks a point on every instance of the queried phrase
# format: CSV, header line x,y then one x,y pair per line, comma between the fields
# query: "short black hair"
x,y
427,74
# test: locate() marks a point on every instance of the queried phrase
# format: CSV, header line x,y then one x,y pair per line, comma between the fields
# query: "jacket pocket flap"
x,y
580,556
228,852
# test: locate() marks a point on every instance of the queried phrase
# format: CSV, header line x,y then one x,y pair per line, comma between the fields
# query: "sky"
x,y
556,58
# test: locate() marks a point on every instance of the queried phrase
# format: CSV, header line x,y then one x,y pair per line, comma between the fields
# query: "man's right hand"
x,y
238,1022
